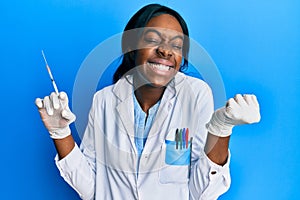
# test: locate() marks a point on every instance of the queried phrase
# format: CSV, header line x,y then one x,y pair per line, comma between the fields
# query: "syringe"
x,y
50,74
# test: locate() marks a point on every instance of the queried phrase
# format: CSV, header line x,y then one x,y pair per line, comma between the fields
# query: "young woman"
x,y
153,134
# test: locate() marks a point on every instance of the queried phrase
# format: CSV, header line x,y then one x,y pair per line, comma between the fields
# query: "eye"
x,y
177,43
151,40
177,47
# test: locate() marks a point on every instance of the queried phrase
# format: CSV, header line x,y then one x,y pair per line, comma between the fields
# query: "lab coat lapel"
x,y
160,122
123,90
161,115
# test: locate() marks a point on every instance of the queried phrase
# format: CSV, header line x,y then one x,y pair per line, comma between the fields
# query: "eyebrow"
x,y
158,33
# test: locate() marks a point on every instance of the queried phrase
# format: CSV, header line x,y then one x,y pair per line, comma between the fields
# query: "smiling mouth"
x,y
160,67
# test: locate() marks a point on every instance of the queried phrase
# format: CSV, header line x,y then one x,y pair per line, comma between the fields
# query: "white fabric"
x,y
105,166
56,114
239,110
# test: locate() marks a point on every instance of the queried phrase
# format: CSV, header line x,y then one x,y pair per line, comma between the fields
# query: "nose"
x,y
164,51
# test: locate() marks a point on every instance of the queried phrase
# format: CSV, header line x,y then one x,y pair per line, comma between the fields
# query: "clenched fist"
x,y
238,110
55,114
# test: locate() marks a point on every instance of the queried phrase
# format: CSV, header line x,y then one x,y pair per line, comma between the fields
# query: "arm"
x,y
210,174
56,116
239,110
73,165
64,146
216,148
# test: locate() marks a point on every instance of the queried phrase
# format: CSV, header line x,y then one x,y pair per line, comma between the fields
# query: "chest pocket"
x,y
176,162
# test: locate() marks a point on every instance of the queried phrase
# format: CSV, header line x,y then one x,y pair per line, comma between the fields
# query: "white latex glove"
x,y
56,114
238,110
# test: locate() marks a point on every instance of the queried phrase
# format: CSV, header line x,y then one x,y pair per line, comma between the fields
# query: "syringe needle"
x,y
50,74
44,58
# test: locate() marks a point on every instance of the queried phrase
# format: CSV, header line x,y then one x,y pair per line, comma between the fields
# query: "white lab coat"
x,y
105,167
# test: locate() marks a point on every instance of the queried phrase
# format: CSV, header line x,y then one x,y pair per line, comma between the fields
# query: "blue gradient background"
x,y
255,45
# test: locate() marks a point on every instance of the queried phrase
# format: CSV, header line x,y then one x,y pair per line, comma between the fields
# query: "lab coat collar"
x,y
124,87
175,85
123,90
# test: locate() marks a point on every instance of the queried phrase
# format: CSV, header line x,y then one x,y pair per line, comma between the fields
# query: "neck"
x,y
148,96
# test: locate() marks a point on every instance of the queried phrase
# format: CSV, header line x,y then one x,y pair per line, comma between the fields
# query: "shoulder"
x,y
106,91
194,84
101,97
119,91
197,83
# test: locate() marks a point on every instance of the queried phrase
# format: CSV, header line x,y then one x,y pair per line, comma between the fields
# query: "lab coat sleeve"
x,y
78,167
76,171
208,180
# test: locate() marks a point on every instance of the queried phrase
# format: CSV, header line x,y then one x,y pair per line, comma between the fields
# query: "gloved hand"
x,y
56,114
238,110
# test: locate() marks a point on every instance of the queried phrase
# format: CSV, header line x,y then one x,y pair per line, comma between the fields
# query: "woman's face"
x,y
159,53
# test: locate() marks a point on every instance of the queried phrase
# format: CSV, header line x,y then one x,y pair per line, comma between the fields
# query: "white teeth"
x,y
160,67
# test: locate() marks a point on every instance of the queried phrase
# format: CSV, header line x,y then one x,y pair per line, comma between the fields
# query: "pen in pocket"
x,y
180,138
183,138
187,138
191,142
176,138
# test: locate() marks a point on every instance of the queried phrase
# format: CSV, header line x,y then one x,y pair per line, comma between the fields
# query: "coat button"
x,y
213,172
